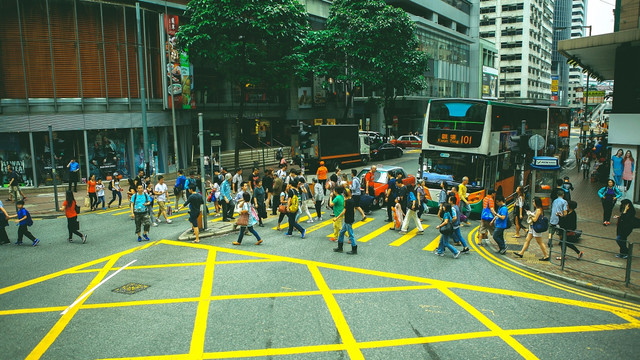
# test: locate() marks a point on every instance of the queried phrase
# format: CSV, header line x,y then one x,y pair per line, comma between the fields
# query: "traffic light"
x,y
304,136
520,143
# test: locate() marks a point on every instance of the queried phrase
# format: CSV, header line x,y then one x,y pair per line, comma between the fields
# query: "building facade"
x,y
559,66
577,79
522,31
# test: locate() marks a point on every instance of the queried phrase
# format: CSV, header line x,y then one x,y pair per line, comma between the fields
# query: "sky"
x,y
600,16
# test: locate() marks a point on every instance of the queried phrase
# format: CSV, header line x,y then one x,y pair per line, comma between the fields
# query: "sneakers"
x,y
259,242
621,256
158,220
580,255
84,238
402,232
70,240
19,243
466,251
169,221
456,255
503,251
139,239
154,224
333,239
146,238
35,242
235,243
304,231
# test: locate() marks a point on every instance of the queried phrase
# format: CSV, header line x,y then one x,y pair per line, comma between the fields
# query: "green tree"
x,y
249,42
369,42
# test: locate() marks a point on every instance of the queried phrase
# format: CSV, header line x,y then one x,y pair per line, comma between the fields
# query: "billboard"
x,y
179,69
489,83
554,87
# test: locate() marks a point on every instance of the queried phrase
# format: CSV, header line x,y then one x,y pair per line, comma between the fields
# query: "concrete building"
x,y
577,80
523,33
559,67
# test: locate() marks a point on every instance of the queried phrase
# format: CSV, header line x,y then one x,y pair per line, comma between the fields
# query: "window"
x,y
487,10
456,123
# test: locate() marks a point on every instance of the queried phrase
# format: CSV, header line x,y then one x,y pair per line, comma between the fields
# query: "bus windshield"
x,y
456,123
452,168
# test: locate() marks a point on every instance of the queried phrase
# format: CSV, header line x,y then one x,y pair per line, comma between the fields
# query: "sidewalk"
x,y
599,269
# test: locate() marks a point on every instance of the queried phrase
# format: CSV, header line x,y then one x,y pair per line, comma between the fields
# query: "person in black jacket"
x,y
626,222
569,223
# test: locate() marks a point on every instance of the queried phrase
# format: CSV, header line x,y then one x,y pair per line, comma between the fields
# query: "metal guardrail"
x,y
630,273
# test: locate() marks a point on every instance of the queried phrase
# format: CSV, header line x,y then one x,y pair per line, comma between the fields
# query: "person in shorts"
x,y
140,212
195,202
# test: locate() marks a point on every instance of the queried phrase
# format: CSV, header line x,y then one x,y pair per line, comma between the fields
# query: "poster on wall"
x,y
305,99
624,168
319,92
179,70
554,87
108,153
489,83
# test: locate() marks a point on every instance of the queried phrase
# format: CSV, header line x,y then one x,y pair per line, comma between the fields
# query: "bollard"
x,y
563,251
627,276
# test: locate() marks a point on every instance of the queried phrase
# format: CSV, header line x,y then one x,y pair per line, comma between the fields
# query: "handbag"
x,y
87,202
446,229
282,208
486,214
243,219
541,225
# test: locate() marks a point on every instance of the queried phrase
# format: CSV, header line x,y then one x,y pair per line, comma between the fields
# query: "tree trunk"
x,y
239,122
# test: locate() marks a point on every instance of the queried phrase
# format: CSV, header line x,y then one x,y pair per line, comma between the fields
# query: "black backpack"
x,y
111,185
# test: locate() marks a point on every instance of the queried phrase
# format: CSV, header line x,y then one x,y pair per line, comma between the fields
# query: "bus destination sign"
x,y
454,139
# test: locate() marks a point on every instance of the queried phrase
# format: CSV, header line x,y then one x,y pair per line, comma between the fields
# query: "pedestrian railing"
x,y
601,257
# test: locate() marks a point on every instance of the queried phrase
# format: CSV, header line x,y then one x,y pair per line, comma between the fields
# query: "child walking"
x,y
100,194
398,216
24,221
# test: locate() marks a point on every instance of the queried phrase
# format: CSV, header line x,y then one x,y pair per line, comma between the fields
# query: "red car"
x,y
406,141
381,178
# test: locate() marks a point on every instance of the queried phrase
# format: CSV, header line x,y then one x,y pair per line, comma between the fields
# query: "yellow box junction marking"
x,y
375,233
626,311
433,244
406,237
356,225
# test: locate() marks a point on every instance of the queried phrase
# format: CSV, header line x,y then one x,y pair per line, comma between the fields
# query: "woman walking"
x,y
91,192
150,191
609,195
412,207
421,191
282,208
249,213
626,222
116,190
586,165
534,217
69,208
627,174
569,223
447,219
518,210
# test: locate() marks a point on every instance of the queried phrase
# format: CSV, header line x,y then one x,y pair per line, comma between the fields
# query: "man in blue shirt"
x,y
178,189
558,208
500,221
227,201
74,171
140,212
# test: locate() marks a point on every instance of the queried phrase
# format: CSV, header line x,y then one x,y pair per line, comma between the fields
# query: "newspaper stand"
x,y
545,170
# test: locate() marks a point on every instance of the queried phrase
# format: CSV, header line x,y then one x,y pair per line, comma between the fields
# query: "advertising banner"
x,y
554,87
305,98
489,83
179,70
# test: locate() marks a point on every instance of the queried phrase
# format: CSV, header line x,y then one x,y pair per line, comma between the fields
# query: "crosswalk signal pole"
x,y
203,172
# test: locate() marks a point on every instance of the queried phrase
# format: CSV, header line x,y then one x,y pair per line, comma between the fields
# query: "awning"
x,y
597,53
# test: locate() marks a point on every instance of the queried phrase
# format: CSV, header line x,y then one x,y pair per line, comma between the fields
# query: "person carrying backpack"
x,y
140,212
24,221
178,188
292,210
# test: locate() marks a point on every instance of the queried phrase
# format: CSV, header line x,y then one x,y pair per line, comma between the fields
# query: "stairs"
x,y
250,158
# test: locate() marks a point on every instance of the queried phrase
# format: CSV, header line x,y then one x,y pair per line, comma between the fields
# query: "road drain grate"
x,y
130,288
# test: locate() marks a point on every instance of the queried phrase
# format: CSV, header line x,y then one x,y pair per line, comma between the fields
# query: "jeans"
x,y
444,242
251,230
457,234
293,223
115,193
100,201
498,237
94,200
347,228
465,208
622,243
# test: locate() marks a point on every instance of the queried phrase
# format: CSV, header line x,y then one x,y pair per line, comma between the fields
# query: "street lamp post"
x,y
586,100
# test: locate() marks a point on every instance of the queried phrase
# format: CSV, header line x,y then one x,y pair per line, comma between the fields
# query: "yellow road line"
x,y
202,313
286,225
357,225
433,244
319,226
338,318
523,351
406,237
55,331
513,268
375,233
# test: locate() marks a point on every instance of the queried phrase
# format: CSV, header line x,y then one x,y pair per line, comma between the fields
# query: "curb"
x,y
572,281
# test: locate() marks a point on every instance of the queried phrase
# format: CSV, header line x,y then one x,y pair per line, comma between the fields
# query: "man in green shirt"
x,y
338,205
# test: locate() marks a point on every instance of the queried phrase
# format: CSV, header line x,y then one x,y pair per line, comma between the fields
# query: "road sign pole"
x,y
53,169
203,172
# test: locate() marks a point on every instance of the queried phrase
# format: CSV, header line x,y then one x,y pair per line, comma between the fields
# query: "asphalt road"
x,y
290,298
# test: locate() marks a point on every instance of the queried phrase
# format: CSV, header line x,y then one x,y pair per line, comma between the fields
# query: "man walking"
x,y
237,181
390,197
347,227
558,209
74,171
322,176
464,201
356,192
278,184
501,224
227,201
178,188
162,194
140,213
195,202
338,205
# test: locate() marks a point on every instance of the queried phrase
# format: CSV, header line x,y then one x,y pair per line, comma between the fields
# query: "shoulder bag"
x,y
446,229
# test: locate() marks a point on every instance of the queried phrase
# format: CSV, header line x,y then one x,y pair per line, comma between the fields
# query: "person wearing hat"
x,y
116,190
321,173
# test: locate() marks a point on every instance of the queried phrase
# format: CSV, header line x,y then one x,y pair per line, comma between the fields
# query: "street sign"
x,y
216,142
536,142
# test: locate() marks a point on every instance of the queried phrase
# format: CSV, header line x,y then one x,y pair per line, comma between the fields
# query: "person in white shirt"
x,y
162,196
237,181
100,194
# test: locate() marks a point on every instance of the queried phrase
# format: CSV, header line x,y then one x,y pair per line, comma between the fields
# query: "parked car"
x,y
381,178
406,141
386,151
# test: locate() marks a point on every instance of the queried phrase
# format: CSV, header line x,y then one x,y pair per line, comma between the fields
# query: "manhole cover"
x,y
130,288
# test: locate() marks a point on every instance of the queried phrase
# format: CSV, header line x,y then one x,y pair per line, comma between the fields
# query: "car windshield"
x,y
379,177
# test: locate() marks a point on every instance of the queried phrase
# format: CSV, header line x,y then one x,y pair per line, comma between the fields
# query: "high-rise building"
x,y
522,31
578,30
559,66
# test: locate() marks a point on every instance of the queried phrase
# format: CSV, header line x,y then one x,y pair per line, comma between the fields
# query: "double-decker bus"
x,y
472,138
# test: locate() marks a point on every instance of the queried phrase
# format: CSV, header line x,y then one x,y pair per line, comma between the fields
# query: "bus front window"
x,y
451,168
